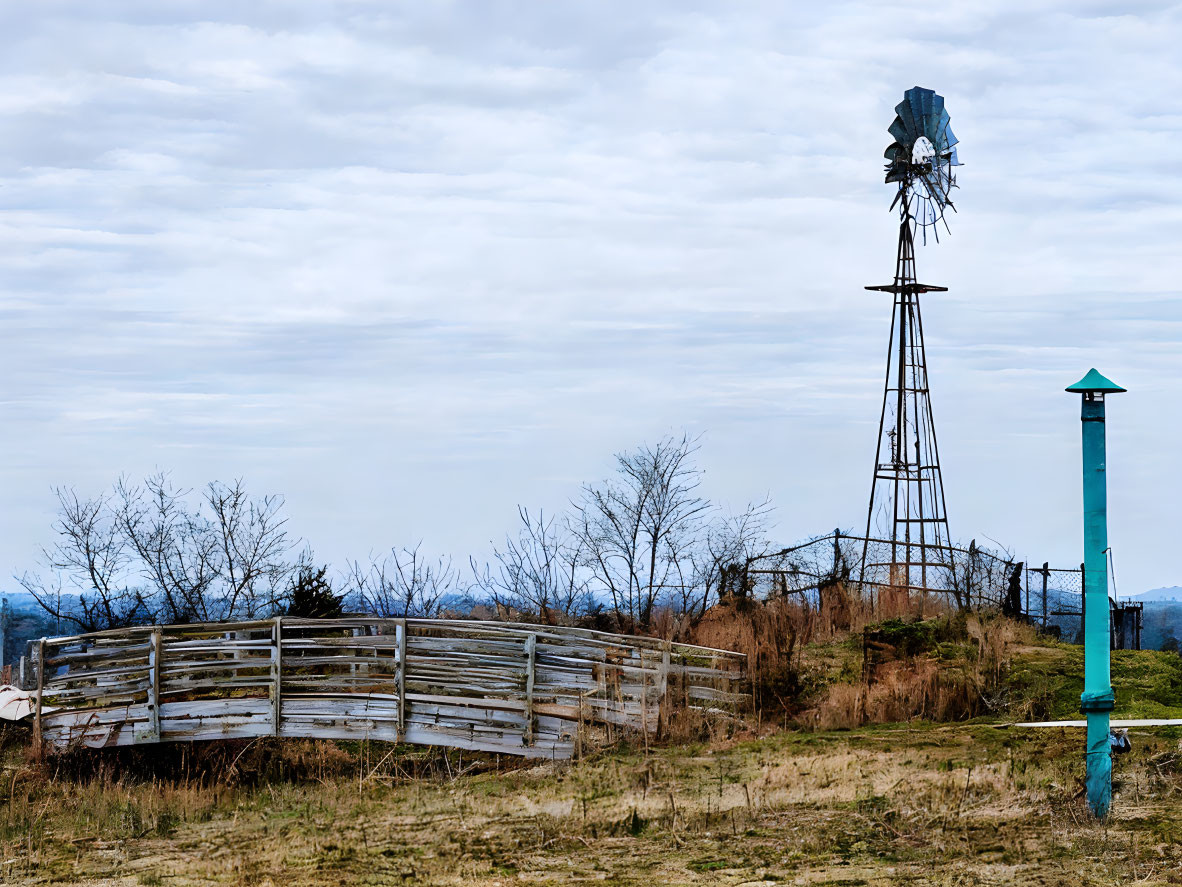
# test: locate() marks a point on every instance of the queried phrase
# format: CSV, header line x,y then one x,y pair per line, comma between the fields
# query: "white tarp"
x,y
16,704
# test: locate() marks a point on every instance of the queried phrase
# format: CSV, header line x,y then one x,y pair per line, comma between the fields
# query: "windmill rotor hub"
x,y
921,152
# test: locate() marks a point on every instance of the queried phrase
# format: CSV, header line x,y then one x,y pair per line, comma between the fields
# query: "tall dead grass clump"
x,y
770,633
682,723
843,609
945,668
225,762
922,688
773,633
910,606
842,708
997,638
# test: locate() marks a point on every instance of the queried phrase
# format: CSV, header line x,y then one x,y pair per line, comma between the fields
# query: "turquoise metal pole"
x,y
1097,699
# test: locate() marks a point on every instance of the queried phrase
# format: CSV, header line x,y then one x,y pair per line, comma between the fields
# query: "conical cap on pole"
x,y
1093,381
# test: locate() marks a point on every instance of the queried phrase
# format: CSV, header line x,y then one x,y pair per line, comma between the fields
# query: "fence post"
x,y
40,690
643,698
531,652
836,552
154,652
663,706
23,678
276,673
1046,572
400,676
354,653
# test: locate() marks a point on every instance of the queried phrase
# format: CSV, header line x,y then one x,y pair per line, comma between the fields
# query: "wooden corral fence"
x,y
528,690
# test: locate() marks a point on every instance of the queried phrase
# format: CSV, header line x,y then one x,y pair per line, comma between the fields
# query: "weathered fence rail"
x,y
528,690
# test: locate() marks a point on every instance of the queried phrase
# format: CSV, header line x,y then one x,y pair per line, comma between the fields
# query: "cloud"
x,y
411,266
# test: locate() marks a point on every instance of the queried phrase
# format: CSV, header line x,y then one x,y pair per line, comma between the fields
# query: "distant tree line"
x,y
152,552
640,547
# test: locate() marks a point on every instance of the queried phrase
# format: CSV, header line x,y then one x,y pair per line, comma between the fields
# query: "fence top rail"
x,y
898,543
139,632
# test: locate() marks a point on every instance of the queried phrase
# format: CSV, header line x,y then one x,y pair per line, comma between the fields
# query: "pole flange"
x,y
1097,702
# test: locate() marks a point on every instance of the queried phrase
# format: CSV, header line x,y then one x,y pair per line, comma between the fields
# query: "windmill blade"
x,y
915,100
896,168
934,190
940,139
898,129
938,107
927,103
907,119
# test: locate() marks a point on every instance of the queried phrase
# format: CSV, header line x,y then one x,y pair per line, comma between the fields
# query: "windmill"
x,y
907,507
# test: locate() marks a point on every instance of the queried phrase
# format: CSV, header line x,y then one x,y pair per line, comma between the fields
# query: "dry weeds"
x,y
918,805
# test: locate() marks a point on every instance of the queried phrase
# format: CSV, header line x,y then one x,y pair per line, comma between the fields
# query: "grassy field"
x,y
916,803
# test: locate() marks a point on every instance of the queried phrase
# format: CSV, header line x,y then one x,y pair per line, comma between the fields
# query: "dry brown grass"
x,y
770,633
956,674
781,635
922,806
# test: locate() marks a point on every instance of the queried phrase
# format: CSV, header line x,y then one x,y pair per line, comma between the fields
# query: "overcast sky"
x,y
413,264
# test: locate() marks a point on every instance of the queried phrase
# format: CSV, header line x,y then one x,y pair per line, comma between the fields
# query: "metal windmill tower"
x,y
907,506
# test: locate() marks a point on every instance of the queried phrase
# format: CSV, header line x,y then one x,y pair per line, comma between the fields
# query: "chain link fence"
x,y
883,572
892,577
1054,599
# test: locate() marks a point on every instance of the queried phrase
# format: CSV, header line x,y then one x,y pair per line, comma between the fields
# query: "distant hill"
x,y
26,622
1163,620
1162,616
20,600
1173,593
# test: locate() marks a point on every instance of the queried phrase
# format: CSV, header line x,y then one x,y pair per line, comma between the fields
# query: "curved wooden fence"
x,y
528,690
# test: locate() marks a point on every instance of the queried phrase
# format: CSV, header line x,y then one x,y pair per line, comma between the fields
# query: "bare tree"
x,y
92,554
728,546
539,572
252,543
638,527
145,553
404,583
176,552
229,562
